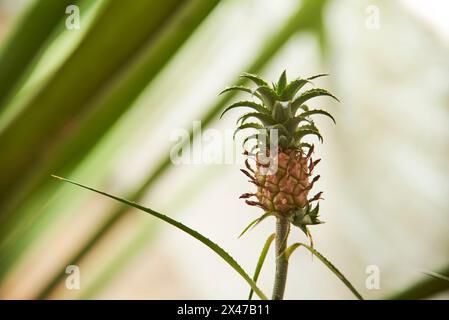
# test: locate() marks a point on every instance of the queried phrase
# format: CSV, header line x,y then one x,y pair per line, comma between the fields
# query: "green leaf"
x,y
96,102
296,107
248,126
312,93
242,88
246,104
255,78
282,82
304,131
264,118
255,222
318,76
261,261
317,111
426,287
310,126
281,130
314,212
327,263
292,123
292,88
278,113
27,39
303,107
269,96
195,234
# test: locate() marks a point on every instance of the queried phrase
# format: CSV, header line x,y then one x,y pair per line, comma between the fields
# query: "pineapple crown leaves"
x,y
306,216
281,106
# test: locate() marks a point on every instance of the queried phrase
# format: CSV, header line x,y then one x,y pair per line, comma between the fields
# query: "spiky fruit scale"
x,y
288,187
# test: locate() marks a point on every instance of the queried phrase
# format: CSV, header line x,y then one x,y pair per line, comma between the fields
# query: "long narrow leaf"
x,y
269,96
246,104
327,263
212,245
318,76
292,124
43,123
107,106
301,133
425,287
282,82
250,125
296,107
292,88
261,261
318,111
255,78
25,42
241,88
312,93
144,234
254,223
264,118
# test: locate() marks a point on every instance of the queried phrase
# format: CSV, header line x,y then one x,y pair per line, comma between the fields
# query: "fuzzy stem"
x,y
282,226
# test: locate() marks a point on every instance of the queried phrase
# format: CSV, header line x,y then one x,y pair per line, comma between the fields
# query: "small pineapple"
x,y
284,120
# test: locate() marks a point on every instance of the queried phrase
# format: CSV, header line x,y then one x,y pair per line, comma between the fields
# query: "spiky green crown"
x,y
281,106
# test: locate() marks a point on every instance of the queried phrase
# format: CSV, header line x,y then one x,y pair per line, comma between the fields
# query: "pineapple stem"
x,y
282,228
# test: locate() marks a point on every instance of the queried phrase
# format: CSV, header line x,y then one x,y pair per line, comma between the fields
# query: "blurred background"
x,y
100,102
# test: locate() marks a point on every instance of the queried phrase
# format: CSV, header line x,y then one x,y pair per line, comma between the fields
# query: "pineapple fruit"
x,y
281,109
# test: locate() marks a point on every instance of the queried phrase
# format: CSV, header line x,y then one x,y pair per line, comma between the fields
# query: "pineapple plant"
x,y
282,173
283,164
